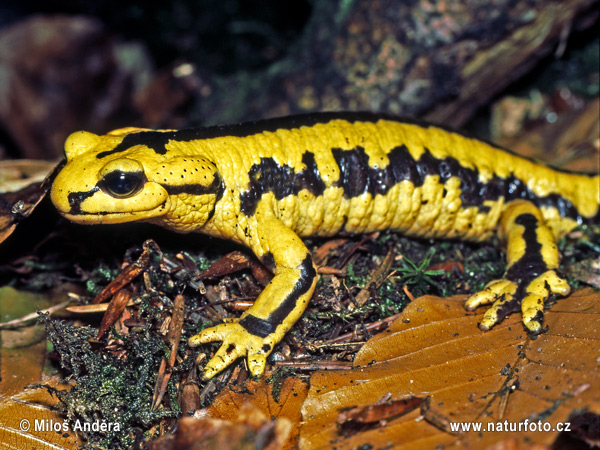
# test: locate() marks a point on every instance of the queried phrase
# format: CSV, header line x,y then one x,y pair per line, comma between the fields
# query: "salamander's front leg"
x,y
531,276
276,309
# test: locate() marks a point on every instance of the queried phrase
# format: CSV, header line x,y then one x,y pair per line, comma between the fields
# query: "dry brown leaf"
x,y
251,430
173,339
18,174
321,254
435,349
234,262
376,278
19,204
28,420
22,350
20,367
260,394
114,310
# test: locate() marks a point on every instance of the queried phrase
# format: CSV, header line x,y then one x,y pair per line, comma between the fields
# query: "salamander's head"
x,y
132,174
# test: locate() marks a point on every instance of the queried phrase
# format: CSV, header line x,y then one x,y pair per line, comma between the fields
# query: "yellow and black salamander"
x,y
264,184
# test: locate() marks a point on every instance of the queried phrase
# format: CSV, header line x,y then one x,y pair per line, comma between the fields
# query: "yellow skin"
x,y
265,184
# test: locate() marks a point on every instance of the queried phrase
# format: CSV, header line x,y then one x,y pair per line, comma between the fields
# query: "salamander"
x,y
266,184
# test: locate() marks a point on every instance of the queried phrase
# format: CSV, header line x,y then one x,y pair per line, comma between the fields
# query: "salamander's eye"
x,y
121,184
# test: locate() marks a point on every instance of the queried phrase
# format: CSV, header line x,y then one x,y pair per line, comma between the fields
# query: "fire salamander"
x,y
264,184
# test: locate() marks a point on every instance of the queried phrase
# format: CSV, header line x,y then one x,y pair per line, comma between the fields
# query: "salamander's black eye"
x,y
121,184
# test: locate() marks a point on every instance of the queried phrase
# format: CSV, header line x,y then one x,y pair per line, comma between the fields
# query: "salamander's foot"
x,y
507,295
237,342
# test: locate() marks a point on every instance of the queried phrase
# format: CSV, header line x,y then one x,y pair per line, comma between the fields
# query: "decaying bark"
x,y
436,59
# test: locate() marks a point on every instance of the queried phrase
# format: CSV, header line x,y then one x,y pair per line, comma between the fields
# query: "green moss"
x,y
112,388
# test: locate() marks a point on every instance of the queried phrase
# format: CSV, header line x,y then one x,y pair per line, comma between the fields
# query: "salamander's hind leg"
x,y
531,277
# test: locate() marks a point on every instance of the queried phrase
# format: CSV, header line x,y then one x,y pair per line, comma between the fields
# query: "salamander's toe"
x,y
529,295
491,293
237,342
538,292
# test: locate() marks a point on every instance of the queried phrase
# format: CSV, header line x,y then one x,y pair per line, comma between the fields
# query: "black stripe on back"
x,y
157,140
357,177
281,180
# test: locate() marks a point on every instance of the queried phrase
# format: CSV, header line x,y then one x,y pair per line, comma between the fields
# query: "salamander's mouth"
x,y
95,205
108,217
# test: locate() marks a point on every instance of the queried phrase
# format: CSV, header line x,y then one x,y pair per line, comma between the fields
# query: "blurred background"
x,y
67,65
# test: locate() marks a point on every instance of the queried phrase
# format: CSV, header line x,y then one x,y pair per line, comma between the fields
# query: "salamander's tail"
x,y
593,197
583,191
